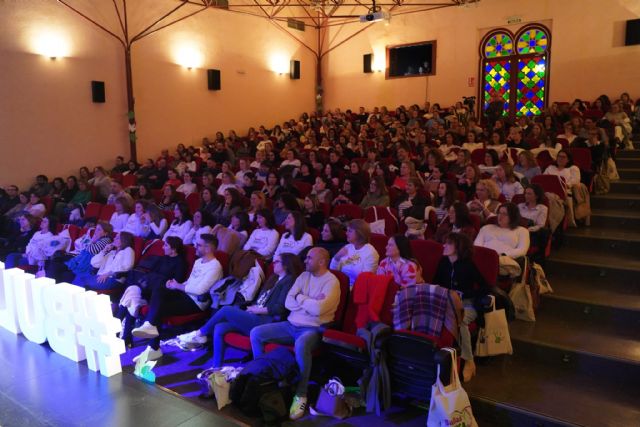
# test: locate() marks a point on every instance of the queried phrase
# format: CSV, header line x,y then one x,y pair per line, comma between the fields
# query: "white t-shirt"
x,y
263,241
119,221
514,243
178,230
194,234
203,276
357,261
290,245
571,175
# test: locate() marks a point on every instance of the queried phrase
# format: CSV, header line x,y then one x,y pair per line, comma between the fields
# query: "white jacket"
x,y
357,261
119,221
113,261
263,241
178,230
36,249
194,234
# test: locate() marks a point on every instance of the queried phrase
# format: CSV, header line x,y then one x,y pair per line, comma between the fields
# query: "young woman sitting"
x,y
457,221
188,186
457,271
38,248
111,262
201,224
295,239
232,204
445,197
358,255
333,237
507,181
257,201
400,263
169,197
536,213
264,239
312,214
120,217
377,194
181,224
486,202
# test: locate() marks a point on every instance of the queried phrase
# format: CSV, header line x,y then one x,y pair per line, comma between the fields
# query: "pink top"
x,y
404,272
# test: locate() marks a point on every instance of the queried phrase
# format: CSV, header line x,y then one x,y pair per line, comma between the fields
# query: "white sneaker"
x,y
193,338
147,330
298,408
153,355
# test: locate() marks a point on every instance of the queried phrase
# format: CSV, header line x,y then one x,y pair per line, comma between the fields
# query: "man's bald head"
x,y
317,261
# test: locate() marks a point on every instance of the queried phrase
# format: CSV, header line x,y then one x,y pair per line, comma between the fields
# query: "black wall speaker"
x,y
294,71
97,91
213,80
366,63
633,32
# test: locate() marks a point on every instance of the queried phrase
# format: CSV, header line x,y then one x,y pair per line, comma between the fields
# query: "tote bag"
x,y
450,406
520,295
378,226
494,338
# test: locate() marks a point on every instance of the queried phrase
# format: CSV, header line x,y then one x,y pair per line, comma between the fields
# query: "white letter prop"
x,y
29,304
97,333
9,280
61,328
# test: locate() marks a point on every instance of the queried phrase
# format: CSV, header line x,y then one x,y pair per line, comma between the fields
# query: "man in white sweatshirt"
x,y
312,301
182,298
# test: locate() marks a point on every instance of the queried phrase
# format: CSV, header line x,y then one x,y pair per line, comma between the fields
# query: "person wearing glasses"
x,y
175,298
269,307
312,301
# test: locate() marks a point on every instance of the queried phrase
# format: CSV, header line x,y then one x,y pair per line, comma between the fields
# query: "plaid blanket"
x,y
421,308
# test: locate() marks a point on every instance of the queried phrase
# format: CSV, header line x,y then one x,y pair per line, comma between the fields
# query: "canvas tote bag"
x,y
494,338
450,406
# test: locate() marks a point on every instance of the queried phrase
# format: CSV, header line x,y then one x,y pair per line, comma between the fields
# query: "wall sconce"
x,y
189,57
378,64
279,64
52,44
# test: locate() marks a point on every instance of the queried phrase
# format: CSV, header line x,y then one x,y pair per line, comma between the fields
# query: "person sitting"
x,y
182,222
321,190
227,181
457,221
412,204
527,166
486,202
120,218
269,307
285,203
188,186
200,224
101,182
41,187
312,214
248,184
116,192
358,255
507,237
400,263
377,194
111,262
332,237
457,271
175,298
264,239
312,300
271,188
407,172
349,193
507,181
37,250
257,201
169,197
445,197
152,272
210,202
515,138
136,223
35,206
565,169
536,213
17,240
154,223
232,204
144,193
296,238
491,161
172,179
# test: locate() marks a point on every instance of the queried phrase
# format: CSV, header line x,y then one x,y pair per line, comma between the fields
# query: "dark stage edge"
x,y
38,387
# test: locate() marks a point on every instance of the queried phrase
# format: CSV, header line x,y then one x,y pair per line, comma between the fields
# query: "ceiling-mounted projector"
x,y
375,17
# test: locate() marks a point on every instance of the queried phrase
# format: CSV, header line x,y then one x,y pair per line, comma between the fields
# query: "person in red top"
x,y
399,262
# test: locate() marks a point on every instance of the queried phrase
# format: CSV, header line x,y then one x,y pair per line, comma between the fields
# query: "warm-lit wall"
x,y
173,103
48,123
588,57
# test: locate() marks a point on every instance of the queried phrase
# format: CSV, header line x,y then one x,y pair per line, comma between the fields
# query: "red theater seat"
x,y
379,241
348,210
106,212
92,210
428,253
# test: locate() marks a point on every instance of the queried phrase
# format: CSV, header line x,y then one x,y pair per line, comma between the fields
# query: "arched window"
x,y
516,68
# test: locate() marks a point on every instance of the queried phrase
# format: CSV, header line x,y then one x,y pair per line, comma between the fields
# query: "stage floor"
x,y
38,387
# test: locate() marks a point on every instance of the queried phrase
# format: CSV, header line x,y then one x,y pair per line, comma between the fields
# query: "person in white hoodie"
x,y
200,225
120,217
136,223
116,258
296,238
181,224
263,239
175,298
358,255
36,251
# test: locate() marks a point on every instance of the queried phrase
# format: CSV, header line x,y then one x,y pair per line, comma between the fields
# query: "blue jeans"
x,y
305,340
230,319
89,281
15,259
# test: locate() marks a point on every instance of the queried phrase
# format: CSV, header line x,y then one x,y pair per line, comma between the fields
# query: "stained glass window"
x,y
531,86
500,44
516,70
532,41
497,79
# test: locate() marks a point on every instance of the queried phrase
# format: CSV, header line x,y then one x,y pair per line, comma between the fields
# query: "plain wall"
x,y
49,125
588,57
